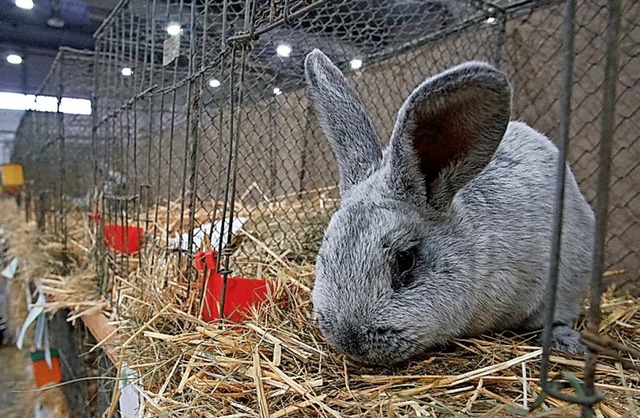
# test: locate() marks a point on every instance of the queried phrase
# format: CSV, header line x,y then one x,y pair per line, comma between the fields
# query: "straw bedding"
x,y
277,364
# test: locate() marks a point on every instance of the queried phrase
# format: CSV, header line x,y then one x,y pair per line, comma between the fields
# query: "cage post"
x,y
224,258
96,201
556,238
62,160
602,198
221,113
502,37
234,137
305,148
272,152
194,102
41,211
27,204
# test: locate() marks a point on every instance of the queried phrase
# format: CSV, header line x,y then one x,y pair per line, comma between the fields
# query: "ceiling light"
x,y
214,82
356,63
174,28
126,71
14,59
491,20
283,50
277,91
24,4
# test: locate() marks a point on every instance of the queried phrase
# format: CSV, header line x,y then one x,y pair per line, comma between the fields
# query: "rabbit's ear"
x,y
343,119
447,131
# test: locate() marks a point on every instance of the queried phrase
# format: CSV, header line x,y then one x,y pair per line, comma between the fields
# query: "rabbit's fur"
x,y
446,232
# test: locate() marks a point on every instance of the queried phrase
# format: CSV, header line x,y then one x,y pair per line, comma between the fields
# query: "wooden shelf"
x,y
99,326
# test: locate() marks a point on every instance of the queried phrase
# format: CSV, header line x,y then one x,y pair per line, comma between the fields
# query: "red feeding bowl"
x,y
124,239
241,293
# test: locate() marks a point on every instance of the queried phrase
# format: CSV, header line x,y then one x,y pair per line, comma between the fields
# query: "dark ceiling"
x,y
27,33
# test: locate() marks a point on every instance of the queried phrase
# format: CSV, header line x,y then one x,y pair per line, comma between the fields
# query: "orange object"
x,y
42,374
124,239
12,175
241,293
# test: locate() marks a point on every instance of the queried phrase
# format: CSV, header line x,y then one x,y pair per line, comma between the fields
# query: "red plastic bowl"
x,y
123,239
241,293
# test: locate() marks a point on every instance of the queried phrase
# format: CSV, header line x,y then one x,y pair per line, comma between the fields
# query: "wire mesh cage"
x,y
534,62
201,122
231,97
6,143
54,142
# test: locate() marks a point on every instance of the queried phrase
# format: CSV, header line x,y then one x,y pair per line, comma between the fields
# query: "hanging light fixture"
x,y
174,28
283,50
55,20
24,4
14,59
356,63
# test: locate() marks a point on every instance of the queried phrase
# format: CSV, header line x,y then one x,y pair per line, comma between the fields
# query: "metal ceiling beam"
x,y
43,37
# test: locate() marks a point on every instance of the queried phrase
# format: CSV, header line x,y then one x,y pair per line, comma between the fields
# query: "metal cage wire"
x,y
55,147
213,123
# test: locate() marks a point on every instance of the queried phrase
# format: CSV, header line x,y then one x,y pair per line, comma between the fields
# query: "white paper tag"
x,y
170,49
130,393
203,231
34,313
9,272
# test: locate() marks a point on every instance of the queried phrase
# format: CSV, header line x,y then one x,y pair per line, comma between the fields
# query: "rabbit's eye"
x,y
405,261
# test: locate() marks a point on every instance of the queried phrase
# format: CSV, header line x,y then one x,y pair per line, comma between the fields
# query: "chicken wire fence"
x,y
217,114
54,146
6,143
210,126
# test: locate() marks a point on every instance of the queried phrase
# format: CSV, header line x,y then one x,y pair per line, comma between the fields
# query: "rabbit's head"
x,y
389,278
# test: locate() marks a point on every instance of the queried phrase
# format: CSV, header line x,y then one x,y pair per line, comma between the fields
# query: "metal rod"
x,y
552,285
501,39
225,271
556,237
195,95
63,162
602,198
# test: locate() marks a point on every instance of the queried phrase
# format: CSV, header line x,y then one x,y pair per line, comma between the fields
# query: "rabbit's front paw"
x,y
566,339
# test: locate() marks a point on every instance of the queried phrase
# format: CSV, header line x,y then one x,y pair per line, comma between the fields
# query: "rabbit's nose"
x,y
352,341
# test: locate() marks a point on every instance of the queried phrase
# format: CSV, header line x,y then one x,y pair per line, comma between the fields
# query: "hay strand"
x,y
277,364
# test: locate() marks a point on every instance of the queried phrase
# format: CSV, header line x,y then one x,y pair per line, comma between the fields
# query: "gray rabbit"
x,y
446,232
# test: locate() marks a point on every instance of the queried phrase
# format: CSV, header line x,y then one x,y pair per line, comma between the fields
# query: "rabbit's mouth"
x,y
366,343
387,358
378,347
390,358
